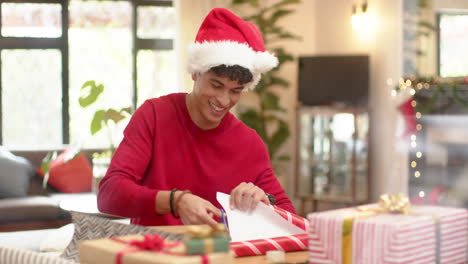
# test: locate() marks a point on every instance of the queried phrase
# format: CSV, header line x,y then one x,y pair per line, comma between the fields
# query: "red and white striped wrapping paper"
x,y
287,243
392,238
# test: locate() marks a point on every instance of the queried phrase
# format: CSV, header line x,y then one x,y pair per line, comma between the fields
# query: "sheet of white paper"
x,y
261,223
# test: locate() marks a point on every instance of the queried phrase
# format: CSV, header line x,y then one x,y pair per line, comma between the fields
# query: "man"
x,y
179,150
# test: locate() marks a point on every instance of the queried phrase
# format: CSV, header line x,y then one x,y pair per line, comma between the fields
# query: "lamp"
x,y
360,18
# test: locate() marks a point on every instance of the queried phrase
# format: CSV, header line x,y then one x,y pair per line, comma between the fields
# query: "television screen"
x,y
327,80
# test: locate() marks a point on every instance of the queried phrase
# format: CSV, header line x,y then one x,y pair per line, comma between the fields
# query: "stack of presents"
x,y
391,231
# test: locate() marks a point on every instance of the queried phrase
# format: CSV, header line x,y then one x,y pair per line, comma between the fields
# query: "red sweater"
x,y
164,149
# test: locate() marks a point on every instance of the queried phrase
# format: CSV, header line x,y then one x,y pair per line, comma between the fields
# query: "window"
x,y
453,39
50,48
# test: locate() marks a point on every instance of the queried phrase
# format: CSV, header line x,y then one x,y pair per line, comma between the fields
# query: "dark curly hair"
x,y
234,73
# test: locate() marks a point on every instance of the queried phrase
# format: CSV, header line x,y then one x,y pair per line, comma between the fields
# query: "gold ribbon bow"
x,y
395,204
205,231
389,204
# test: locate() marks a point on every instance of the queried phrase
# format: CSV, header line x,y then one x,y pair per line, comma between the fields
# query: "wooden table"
x,y
291,257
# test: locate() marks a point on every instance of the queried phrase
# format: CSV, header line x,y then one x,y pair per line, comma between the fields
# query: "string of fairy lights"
x,y
411,86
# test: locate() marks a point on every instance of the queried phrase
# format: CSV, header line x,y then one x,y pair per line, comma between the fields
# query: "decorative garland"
x,y
433,95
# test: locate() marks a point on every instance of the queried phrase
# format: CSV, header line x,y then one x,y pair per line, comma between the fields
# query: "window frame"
x,y
61,44
439,14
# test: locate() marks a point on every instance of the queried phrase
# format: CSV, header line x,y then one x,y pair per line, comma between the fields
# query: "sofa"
x,y
24,203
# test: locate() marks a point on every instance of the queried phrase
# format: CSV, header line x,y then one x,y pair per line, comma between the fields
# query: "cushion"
x,y
16,255
70,176
29,239
15,173
94,227
58,239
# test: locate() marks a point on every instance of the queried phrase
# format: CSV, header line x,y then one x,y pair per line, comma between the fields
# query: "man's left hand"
x,y
246,196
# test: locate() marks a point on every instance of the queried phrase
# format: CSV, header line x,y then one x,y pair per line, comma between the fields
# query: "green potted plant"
x,y
265,117
89,94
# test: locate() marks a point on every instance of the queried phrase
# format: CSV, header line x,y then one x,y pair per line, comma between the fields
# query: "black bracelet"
x,y
271,198
171,203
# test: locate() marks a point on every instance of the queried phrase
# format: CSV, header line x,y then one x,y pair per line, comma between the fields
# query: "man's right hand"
x,y
194,210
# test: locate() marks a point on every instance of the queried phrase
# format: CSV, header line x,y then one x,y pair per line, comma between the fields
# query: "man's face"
x,y
212,97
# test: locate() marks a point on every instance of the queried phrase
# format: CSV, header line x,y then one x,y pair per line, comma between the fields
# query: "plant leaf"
x,y
280,13
71,153
423,34
278,138
423,3
428,25
114,115
282,56
420,52
45,166
279,81
47,160
127,110
252,119
270,101
89,93
285,2
283,157
253,3
96,123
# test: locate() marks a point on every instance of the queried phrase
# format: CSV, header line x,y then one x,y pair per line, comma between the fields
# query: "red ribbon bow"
x,y
151,242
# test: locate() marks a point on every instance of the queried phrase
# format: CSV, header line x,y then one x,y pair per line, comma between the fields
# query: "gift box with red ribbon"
x,y
147,249
287,243
390,234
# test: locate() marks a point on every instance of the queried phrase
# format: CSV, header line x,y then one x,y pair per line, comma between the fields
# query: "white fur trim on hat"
x,y
203,56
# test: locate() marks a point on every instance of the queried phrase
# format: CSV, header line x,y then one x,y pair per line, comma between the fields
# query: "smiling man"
x,y
179,150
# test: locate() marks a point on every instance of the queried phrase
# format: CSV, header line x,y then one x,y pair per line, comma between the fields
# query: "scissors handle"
x,y
224,219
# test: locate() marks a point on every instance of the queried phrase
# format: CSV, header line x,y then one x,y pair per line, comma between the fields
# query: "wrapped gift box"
x,y
426,234
107,251
287,243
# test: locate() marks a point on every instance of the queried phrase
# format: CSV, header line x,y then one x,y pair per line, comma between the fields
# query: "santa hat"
x,y
224,38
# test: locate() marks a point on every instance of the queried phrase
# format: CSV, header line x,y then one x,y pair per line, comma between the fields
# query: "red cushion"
x,y
73,176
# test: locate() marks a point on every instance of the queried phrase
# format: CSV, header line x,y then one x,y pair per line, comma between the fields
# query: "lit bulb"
x,y
413,144
418,115
418,127
418,154
408,82
413,137
422,194
414,164
357,21
412,91
419,86
417,174
362,20
413,103
393,93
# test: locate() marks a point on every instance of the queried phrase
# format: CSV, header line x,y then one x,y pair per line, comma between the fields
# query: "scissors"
x,y
224,221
